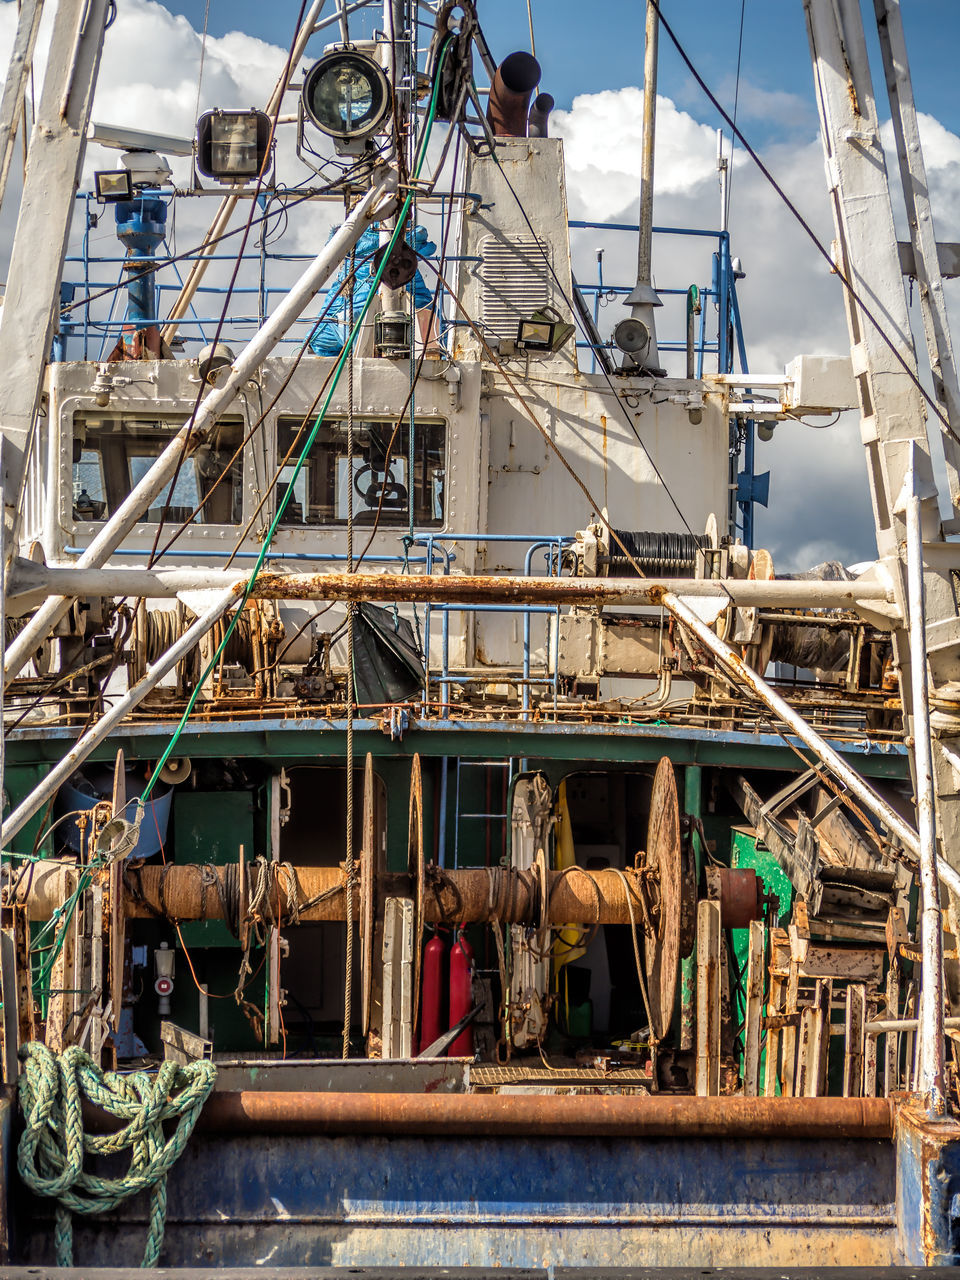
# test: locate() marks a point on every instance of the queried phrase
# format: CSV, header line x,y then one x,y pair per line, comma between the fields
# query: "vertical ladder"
x,y
504,817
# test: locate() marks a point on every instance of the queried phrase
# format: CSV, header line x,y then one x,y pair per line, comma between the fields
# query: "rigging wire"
x,y
835,267
736,104
203,55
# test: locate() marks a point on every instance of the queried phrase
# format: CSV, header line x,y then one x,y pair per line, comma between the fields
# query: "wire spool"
x,y
154,631
659,555
663,862
239,650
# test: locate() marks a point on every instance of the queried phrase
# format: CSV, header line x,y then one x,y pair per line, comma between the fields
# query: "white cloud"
x,y
602,143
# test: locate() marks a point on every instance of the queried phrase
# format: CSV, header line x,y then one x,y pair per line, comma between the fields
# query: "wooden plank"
x,y
753,1009
854,1040
398,978
891,1041
870,1067
61,1028
812,1057
789,1042
807,1019
708,999
772,1064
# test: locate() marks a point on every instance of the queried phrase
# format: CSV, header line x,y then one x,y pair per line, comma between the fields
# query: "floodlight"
x,y
346,95
113,185
543,330
232,145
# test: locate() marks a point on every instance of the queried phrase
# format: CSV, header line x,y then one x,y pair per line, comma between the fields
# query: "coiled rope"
x,y
51,1153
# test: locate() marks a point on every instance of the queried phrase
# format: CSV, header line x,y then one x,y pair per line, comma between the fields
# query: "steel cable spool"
x,y
154,631
659,555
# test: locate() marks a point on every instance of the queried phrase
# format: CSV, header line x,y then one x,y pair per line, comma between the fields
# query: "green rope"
x,y
51,1152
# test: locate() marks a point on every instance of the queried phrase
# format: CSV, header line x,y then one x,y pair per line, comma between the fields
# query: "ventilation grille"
x,y
514,280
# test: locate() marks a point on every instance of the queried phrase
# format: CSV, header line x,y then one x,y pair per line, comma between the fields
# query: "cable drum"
x,y
155,630
659,555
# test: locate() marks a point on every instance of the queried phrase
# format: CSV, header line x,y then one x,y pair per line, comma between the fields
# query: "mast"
x,y
644,298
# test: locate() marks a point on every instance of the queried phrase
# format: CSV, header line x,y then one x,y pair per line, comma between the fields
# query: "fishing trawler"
x,y
434,834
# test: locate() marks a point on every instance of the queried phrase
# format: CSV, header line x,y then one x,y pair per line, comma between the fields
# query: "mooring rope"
x,y
50,1157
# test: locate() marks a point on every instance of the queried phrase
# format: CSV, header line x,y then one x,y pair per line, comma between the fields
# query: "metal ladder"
x,y
458,815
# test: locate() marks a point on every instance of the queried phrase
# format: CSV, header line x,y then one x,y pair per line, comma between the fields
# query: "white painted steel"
x,y
732,663
246,364
926,257
32,294
18,72
112,718
931,1076
892,408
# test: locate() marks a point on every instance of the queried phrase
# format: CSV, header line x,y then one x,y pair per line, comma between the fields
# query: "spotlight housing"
x,y
232,146
347,96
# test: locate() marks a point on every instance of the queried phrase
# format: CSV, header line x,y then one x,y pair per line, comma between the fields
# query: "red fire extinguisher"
x,y
432,1023
461,995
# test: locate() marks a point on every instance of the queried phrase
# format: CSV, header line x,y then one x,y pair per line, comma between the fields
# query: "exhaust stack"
x,y
516,78
539,119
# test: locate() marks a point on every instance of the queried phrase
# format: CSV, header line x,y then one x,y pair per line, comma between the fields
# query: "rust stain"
x,y
603,428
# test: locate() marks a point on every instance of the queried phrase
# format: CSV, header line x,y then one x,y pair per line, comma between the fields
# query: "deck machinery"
x,y
399,715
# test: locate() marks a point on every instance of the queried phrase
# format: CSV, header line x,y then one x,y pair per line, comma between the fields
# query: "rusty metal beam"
x,y
528,1115
30,582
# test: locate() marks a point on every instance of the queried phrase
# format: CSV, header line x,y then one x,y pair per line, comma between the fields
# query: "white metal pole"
x,y
931,1078
648,144
273,583
18,72
245,365
104,727
858,787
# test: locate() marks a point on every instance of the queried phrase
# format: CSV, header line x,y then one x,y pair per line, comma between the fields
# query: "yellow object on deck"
x,y
567,946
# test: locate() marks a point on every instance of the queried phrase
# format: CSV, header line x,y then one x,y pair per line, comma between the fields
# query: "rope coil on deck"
x,y
50,1156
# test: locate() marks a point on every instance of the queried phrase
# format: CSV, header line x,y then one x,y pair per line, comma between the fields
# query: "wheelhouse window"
x,y
113,452
378,471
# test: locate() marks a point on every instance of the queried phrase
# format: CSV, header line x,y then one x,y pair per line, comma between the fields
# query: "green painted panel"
x,y
744,852
210,826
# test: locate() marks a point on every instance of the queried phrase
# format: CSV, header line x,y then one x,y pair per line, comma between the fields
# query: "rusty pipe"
x,y
532,1115
28,580
517,77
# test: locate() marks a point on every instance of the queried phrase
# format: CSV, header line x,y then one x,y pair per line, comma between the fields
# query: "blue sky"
x,y
587,48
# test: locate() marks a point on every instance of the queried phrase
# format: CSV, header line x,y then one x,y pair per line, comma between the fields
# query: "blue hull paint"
x,y
367,1201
